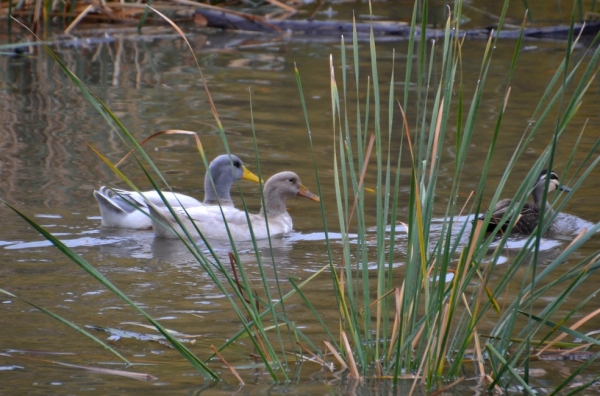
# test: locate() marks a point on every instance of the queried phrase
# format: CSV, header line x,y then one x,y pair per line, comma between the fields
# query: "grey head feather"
x,y
224,175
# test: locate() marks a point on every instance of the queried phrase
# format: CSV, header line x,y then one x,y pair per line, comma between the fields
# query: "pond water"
x,y
151,83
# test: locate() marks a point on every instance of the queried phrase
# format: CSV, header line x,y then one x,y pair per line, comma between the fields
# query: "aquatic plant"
x,y
425,327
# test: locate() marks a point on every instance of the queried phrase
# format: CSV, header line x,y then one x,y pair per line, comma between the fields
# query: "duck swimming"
x,y
530,214
209,219
128,209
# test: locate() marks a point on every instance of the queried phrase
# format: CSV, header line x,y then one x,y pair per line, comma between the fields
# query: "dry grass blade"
x,y
342,286
506,99
574,327
261,343
398,294
578,237
316,358
497,388
210,100
479,354
476,233
113,167
329,366
37,12
349,355
378,368
444,325
417,337
446,388
235,275
419,209
166,132
233,263
382,297
425,359
229,366
436,138
98,370
79,18
362,175
463,209
316,9
472,248
335,354
283,6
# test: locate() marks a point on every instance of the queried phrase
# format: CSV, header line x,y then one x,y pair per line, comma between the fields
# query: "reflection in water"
x,y
138,244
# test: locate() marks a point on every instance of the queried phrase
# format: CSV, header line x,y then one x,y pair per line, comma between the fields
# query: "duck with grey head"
x,y
272,220
129,209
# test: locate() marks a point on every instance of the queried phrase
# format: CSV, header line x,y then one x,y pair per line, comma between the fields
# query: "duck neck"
x,y
221,192
538,194
274,203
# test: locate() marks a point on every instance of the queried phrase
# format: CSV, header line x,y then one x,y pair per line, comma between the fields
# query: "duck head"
x,y
281,187
554,182
224,173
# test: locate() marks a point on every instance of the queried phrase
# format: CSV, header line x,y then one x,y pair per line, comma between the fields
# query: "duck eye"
x,y
291,180
236,164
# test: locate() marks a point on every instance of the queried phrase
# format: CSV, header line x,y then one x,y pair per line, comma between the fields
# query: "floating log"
x,y
390,30
228,21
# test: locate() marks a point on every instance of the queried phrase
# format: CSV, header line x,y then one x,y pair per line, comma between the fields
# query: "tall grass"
x,y
423,328
426,325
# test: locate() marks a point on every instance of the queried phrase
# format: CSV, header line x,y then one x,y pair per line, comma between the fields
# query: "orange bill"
x,y
304,192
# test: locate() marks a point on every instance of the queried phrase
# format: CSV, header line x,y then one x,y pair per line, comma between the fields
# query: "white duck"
x,y
209,219
129,209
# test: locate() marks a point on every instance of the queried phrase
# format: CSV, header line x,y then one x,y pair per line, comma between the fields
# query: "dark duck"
x,y
530,214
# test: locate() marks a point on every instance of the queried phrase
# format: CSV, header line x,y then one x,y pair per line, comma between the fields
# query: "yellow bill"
x,y
250,176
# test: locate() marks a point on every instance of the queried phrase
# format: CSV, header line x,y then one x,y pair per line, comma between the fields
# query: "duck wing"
x,y
528,219
127,210
497,214
213,214
174,199
209,220
119,201
525,224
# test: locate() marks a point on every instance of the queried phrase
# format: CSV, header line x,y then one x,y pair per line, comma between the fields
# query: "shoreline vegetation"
x,y
64,23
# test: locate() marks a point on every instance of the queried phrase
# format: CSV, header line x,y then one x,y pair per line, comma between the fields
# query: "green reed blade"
x,y
323,219
263,275
144,16
83,264
70,324
568,382
512,371
264,313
